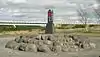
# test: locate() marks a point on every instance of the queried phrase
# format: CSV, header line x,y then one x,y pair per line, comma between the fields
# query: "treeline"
x,y
72,26
18,28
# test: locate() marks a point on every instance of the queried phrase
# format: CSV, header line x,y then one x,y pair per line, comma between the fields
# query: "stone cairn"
x,y
50,43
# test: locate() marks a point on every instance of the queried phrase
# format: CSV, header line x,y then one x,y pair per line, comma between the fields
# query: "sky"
x,y
36,10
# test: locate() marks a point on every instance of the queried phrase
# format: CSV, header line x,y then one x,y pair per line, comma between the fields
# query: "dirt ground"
x,y
5,52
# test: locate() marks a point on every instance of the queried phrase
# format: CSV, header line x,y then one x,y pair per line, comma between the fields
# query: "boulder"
x,y
57,48
19,40
39,37
92,45
16,46
22,47
31,41
56,43
31,48
47,42
25,40
12,45
38,42
64,49
72,49
44,48
51,42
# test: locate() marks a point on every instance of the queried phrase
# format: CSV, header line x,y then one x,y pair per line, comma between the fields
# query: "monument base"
x,y
49,28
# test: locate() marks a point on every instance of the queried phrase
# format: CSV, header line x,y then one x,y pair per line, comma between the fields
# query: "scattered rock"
x,y
31,41
22,46
31,48
47,42
25,40
93,45
19,40
44,48
57,48
12,45
72,50
51,43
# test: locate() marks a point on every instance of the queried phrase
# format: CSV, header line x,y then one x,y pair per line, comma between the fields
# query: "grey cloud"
x,y
39,8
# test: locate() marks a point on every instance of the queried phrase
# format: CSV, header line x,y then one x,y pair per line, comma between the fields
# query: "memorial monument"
x,y
50,25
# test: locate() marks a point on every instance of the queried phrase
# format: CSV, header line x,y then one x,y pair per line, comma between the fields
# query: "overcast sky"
x,y
37,9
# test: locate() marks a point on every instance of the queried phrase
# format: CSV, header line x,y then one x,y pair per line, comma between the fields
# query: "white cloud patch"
x,y
17,1
37,9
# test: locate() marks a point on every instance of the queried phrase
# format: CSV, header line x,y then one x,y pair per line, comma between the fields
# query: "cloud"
x,y
37,9
18,1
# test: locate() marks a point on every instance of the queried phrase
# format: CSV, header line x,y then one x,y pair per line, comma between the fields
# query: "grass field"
x,y
18,28
94,30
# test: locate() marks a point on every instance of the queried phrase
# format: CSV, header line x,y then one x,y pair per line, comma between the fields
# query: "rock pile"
x,y
50,43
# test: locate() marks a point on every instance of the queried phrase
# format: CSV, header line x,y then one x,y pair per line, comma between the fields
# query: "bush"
x,y
79,26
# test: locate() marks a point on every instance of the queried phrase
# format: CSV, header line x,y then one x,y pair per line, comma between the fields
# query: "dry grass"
x,y
95,31
22,32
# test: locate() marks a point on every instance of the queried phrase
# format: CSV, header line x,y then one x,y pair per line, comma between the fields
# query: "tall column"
x,y
50,25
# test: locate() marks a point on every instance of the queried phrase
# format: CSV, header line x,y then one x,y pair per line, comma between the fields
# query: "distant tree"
x,y
97,11
83,18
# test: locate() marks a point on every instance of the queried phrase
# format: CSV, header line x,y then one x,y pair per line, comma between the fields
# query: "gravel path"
x,y
4,52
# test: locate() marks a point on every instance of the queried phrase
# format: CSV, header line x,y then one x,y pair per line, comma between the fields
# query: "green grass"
x,y
95,31
87,34
18,28
80,31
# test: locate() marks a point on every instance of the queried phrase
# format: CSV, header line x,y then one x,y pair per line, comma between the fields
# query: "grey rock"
x,y
25,40
31,48
38,42
64,49
12,44
57,48
19,40
22,47
72,50
92,45
31,41
44,48
16,46
51,43
47,42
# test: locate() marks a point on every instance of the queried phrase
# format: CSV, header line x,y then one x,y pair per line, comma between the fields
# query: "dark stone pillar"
x,y
50,25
